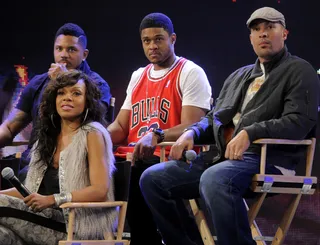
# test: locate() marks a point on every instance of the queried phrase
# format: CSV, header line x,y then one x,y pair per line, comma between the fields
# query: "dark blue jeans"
x,y
222,187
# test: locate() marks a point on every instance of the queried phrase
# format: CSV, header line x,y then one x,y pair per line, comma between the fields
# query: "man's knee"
x,y
146,178
213,186
213,180
150,179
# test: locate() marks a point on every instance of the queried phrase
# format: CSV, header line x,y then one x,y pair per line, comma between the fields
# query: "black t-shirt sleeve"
x,y
104,88
25,102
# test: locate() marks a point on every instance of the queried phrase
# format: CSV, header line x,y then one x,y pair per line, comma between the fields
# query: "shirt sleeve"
x,y
133,81
25,102
104,88
195,87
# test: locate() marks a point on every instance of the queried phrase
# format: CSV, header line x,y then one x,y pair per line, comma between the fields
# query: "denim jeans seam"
x,y
235,216
241,171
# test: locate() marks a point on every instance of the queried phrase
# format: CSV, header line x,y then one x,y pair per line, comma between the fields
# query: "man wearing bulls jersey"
x,y
163,99
277,97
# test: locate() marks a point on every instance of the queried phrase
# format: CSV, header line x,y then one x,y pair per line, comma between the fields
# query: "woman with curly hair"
x,y
71,160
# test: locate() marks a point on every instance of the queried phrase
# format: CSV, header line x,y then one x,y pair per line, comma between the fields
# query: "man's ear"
x,y
85,54
173,38
285,34
250,39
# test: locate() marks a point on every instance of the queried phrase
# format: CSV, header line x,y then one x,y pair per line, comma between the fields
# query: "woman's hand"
x,y
39,202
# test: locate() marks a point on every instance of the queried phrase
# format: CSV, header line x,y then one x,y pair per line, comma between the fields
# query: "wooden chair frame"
x,y
108,237
264,184
296,185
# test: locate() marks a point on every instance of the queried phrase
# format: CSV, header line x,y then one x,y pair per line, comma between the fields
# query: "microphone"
x,y
8,174
189,155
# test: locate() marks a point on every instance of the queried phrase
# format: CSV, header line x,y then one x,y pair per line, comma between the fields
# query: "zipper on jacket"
x,y
307,101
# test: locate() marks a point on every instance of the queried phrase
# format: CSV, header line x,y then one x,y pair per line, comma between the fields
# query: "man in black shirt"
x,y
70,52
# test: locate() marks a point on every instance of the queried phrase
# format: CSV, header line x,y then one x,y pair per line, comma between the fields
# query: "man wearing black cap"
x,y
277,97
163,99
70,52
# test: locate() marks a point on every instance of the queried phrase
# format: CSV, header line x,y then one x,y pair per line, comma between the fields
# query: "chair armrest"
x,y
308,142
170,143
166,143
18,143
92,204
282,142
162,145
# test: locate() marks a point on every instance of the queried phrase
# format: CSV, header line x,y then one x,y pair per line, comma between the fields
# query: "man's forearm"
x,y
15,122
116,133
172,134
204,129
5,136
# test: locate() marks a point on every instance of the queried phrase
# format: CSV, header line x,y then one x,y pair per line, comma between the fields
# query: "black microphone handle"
x,y
19,186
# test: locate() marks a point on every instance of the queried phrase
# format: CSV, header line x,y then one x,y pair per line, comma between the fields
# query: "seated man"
x,y
12,84
163,98
277,97
70,52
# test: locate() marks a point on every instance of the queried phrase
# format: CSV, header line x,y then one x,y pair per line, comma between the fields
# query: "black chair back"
x,y
111,108
122,180
13,163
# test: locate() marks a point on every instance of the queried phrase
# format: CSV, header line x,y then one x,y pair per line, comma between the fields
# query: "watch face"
x,y
159,132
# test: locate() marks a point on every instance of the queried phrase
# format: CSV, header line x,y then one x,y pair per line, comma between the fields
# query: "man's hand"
x,y
145,147
56,69
185,142
237,146
38,202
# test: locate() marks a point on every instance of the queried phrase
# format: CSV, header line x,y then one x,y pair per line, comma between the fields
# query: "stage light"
x,y
23,74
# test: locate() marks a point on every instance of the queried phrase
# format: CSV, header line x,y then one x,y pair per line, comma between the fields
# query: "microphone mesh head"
x,y
7,173
191,155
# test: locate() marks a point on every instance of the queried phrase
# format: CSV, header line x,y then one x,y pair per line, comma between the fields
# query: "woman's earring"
x,y
85,117
51,117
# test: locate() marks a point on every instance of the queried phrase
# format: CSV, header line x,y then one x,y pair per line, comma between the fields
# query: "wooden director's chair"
x,y
121,185
263,184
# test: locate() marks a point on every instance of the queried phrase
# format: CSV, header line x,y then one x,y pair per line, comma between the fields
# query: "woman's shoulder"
x,y
94,127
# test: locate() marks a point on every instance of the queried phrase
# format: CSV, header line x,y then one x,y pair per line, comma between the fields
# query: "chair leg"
x,y
255,208
204,230
255,231
71,224
286,221
252,214
122,215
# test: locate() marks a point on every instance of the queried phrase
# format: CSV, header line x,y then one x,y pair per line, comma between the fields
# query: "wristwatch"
x,y
160,133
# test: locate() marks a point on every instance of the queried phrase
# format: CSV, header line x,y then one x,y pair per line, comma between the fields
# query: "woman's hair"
x,y
48,125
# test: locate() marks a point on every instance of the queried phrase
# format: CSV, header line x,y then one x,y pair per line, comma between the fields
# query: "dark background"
x,y
212,33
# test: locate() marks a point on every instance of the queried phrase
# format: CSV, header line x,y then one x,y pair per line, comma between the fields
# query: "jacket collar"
x,y
270,65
